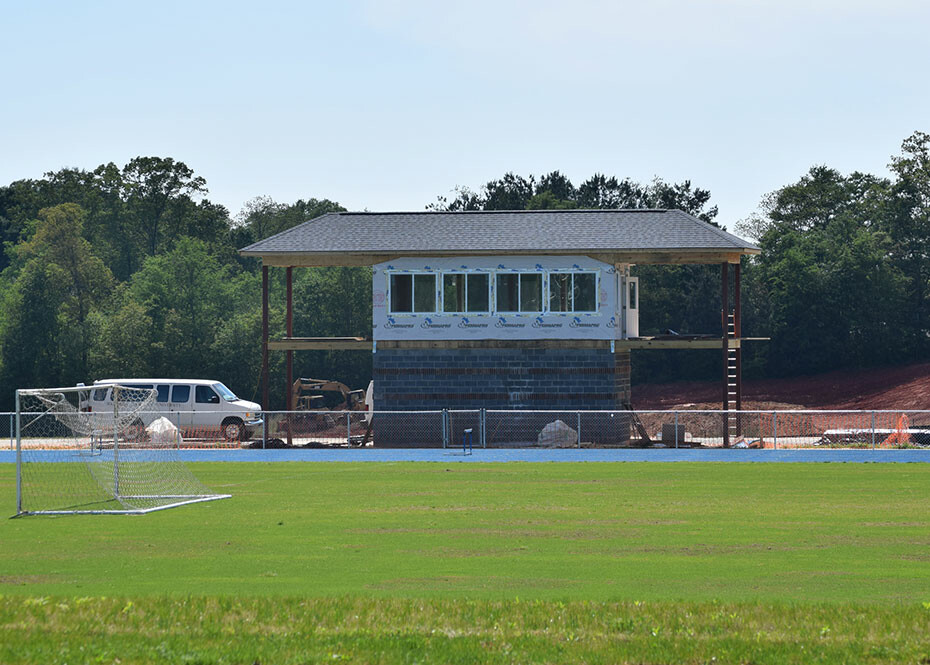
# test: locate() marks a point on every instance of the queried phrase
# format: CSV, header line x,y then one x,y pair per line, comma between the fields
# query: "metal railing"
x,y
796,429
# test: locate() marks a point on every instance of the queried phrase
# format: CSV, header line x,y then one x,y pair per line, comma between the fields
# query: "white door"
x,y
632,306
207,410
180,404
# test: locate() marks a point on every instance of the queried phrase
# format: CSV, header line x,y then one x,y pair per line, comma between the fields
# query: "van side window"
x,y
206,395
180,394
100,394
162,393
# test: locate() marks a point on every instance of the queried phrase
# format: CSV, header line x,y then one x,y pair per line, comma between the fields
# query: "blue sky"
x,y
387,105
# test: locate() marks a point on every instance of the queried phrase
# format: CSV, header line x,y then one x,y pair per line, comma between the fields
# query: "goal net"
x,y
121,457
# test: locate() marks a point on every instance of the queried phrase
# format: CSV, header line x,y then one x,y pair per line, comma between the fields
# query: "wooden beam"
x,y
702,343
362,344
320,344
289,331
494,344
289,356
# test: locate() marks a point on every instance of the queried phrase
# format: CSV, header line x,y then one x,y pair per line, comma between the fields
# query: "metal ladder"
x,y
732,416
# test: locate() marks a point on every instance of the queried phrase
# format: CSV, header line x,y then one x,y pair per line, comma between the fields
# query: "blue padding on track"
x,y
533,455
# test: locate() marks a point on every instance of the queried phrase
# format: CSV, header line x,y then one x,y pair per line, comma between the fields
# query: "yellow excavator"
x,y
314,402
325,395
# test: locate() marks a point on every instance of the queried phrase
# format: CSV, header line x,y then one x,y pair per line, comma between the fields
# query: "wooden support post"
x,y
289,355
724,313
265,374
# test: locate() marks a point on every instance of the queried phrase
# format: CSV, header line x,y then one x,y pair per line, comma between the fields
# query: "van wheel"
x,y
233,429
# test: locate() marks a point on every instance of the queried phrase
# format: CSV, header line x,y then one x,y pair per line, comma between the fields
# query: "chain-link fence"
x,y
534,429
8,430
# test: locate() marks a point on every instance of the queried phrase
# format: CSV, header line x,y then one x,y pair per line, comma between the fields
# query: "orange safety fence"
x,y
901,435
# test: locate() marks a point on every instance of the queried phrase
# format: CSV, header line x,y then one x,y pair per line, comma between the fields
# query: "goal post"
x,y
112,455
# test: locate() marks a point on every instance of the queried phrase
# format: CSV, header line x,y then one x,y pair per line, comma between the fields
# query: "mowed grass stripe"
x,y
377,630
693,532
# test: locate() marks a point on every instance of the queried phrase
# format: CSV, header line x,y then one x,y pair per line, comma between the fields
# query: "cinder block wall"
x,y
519,376
547,375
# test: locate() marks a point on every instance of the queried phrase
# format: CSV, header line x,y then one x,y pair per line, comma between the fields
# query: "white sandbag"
x,y
557,435
163,430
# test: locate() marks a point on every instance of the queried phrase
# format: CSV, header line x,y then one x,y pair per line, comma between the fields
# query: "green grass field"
x,y
517,562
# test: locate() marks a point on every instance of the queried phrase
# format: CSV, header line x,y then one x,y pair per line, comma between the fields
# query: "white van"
x,y
198,407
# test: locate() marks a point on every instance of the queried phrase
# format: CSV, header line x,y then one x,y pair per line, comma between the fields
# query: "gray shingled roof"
x,y
543,231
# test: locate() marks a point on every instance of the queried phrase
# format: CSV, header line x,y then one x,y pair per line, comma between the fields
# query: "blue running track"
x,y
536,455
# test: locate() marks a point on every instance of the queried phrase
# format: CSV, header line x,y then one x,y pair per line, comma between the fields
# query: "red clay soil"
x,y
904,387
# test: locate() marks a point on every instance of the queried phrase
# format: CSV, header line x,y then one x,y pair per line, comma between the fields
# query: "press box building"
x,y
507,309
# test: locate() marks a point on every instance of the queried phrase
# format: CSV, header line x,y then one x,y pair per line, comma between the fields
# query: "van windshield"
x,y
225,392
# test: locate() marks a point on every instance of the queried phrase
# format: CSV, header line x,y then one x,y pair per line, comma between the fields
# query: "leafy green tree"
x,y
132,211
546,200
183,292
58,240
56,251
30,329
124,340
262,216
156,190
826,287
909,229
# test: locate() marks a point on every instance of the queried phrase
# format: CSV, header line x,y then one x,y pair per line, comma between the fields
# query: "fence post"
x,y
579,428
445,428
116,396
775,430
483,419
873,430
348,428
676,429
264,428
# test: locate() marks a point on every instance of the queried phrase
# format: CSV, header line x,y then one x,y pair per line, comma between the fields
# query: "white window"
x,y
572,292
466,292
412,292
519,292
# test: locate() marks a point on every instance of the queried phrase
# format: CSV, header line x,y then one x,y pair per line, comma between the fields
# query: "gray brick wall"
x,y
500,378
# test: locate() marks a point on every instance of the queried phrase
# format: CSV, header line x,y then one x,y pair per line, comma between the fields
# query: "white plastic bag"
x,y
163,430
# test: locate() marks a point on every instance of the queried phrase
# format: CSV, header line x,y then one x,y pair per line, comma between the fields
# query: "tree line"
x,y
132,271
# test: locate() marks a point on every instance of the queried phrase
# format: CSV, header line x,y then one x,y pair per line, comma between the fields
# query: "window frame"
x,y
571,291
467,274
437,295
520,274
202,389
180,387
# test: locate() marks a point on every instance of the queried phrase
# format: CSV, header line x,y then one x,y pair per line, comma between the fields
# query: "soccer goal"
x,y
72,458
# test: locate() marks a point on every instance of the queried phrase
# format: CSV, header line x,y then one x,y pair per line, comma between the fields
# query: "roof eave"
x,y
687,255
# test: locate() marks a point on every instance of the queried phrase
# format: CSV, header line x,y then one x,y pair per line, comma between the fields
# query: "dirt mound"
x,y
904,387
